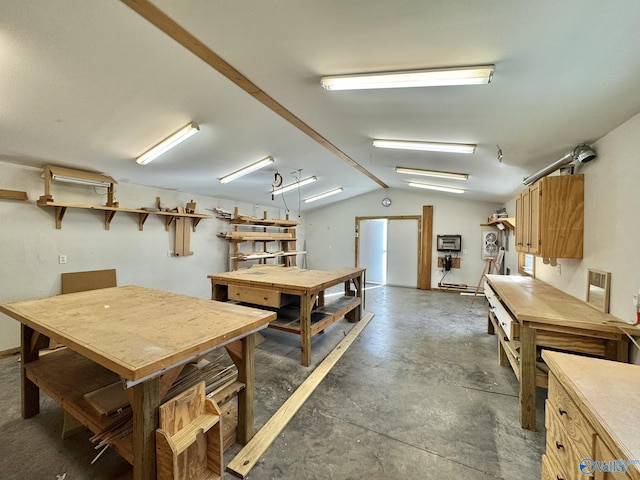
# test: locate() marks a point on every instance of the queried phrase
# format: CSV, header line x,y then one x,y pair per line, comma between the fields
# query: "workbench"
x,y
306,314
140,336
591,418
529,315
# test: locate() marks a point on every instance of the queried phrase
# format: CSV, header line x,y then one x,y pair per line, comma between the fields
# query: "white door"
x,y
402,252
373,249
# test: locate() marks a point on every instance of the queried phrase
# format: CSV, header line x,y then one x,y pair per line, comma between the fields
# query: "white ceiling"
x,y
92,85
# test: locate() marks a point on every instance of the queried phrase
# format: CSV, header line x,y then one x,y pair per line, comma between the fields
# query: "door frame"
x,y
420,220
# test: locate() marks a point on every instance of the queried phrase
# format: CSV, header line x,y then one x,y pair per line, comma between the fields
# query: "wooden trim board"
x,y
244,461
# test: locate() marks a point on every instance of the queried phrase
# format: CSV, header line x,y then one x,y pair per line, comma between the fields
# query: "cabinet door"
x,y
523,221
519,224
534,218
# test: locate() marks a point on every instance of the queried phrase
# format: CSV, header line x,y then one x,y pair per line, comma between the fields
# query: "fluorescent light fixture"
x,y
248,169
426,146
433,173
436,187
323,195
79,177
80,181
168,143
474,75
293,185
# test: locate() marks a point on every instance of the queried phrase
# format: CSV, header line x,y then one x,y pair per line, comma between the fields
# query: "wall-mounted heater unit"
x,y
449,243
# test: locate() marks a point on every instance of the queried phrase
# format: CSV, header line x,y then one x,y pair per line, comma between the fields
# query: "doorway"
x,y
389,248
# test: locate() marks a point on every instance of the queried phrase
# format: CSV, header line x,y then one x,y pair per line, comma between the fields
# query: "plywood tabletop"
x,y
607,393
532,300
135,331
289,278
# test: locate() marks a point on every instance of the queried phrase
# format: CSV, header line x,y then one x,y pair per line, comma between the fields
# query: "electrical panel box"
x,y
449,243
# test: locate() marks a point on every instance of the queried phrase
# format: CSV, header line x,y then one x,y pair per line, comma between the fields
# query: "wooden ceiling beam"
x,y
162,21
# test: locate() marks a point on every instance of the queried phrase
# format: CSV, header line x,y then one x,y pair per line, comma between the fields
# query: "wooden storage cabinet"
x,y
589,423
550,217
569,435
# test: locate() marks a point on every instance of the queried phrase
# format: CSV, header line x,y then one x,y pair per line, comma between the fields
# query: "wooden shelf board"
x,y
247,220
289,320
258,256
61,207
120,209
66,377
509,222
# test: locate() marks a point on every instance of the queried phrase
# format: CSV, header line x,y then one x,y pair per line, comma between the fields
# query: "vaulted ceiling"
x,y
92,85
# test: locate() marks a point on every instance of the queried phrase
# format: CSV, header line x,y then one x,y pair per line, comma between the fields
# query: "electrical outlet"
x,y
62,259
169,253
559,269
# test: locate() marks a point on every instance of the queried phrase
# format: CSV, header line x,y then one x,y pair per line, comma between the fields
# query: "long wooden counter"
x,y
530,315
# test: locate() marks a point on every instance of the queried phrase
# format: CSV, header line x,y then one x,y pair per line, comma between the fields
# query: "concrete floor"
x,y
419,395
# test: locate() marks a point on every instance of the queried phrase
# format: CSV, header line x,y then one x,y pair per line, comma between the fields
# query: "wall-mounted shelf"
x,y
509,223
109,213
282,231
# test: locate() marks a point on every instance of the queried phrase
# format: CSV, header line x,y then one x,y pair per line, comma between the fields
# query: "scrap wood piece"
x,y
244,461
13,195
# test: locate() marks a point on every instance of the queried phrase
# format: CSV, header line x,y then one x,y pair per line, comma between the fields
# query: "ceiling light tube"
x,y
168,143
80,181
433,173
248,169
293,185
426,146
436,187
474,75
323,195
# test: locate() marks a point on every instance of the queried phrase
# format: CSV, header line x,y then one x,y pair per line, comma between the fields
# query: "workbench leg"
x,y
490,328
219,292
245,364
527,377
305,329
30,391
145,403
354,315
617,350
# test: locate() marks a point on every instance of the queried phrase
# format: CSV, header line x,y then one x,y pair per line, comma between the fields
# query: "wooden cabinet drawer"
x,y
255,296
563,450
510,326
561,410
551,470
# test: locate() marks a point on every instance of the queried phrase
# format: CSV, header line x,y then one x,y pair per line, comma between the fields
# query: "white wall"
x,y
612,223
330,230
30,243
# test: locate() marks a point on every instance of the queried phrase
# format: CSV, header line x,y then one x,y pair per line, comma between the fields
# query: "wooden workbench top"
x,y
532,300
290,278
135,331
607,393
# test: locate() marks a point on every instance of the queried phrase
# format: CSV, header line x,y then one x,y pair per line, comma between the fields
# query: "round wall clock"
x,y
386,202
